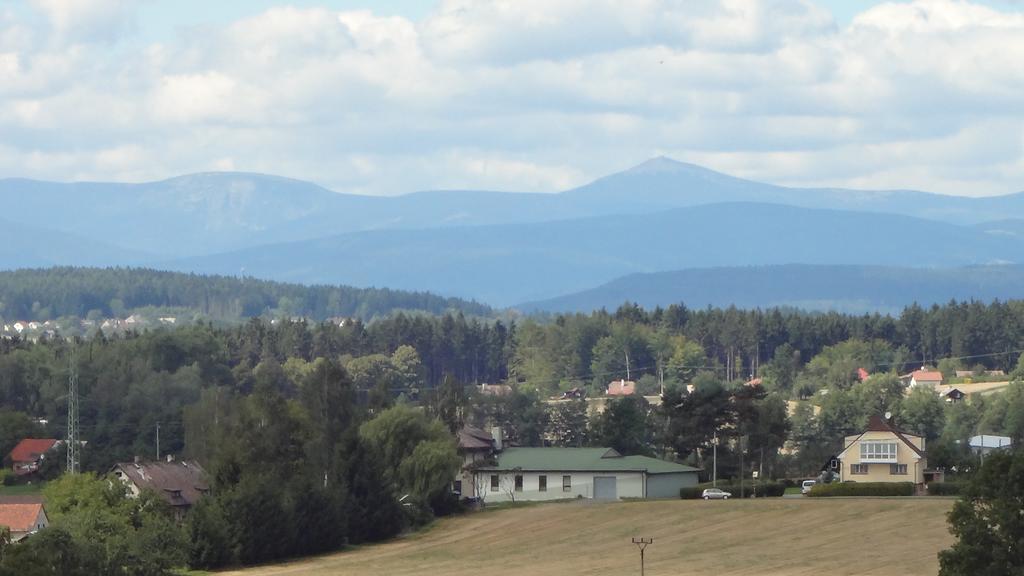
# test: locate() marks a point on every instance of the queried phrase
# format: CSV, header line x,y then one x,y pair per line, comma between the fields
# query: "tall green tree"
x,y
623,425
987,521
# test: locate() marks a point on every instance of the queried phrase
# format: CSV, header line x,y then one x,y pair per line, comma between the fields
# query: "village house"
x,y
621,388
23,518
951,395
181,483
495,389
883,453
922,377
983,444
29,454
475,446
520,474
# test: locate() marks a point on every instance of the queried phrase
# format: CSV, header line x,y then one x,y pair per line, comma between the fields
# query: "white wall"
x,y
628,485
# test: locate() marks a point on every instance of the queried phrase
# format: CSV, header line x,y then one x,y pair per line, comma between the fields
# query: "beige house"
x,y
23,518
883,454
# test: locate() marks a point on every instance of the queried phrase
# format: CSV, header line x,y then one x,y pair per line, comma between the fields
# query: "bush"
x,y
691,492
944,489
764,489
863,489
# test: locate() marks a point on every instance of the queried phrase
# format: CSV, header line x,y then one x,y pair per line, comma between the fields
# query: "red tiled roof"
x,y
755,382
927,375
30,449
862,374
622,388
20,517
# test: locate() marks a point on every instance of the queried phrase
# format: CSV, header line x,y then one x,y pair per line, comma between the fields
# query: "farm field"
x,y
768,537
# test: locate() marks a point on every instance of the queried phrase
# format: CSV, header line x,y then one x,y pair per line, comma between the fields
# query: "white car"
x,y
806,486
715,494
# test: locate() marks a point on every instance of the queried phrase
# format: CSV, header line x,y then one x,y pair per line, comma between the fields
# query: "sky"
x,y
376,97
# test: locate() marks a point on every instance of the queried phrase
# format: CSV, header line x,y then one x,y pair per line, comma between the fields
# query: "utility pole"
x,y
742,472
627,365
73,446
714,460
642,544
158,441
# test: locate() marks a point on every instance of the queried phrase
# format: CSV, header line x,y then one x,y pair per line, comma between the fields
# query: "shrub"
x,y
691,492
764,489
944,489
863,489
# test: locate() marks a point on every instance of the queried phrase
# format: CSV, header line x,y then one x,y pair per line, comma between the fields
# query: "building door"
x,y
605,488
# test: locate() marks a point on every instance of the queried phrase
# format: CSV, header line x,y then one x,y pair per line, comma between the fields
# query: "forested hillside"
x,y
850,289
46,294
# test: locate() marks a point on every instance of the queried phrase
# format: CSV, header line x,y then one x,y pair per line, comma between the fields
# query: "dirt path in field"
x,y
767,537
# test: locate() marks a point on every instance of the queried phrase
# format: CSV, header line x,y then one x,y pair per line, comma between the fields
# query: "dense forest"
x,y
319,428
46,294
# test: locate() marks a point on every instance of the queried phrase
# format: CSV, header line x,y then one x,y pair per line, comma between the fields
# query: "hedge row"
x,y
863,489
763,489
944,489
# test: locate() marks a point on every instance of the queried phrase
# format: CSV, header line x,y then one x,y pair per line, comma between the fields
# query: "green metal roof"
x,y
581,460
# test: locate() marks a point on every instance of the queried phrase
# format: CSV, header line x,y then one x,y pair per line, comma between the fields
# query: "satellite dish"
x,y
888,415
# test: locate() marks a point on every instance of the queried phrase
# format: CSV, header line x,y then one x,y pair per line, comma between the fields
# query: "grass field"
x,y
23,489
769,537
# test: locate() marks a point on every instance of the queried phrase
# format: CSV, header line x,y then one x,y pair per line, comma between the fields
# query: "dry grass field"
x,y
767,537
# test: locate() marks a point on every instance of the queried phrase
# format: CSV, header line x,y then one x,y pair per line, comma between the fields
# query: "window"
x,y
898,469
858,468
878,452
519,482
457,488
567,483
494,482
542,483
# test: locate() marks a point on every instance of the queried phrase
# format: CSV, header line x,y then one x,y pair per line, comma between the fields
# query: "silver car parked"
x,y
715,494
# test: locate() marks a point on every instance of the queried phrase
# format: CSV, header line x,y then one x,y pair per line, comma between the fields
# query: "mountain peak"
x,y
661,164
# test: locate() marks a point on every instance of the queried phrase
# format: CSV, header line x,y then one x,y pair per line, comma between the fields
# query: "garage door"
x,y
604,488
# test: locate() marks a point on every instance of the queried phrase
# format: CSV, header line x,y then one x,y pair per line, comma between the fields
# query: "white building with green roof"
x,y
557,473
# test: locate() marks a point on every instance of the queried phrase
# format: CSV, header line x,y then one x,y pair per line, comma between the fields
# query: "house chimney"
x,y
498,438
170,457
135,460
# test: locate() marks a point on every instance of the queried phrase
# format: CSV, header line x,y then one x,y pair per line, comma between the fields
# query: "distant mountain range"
x,y
499,247
851,289
507,264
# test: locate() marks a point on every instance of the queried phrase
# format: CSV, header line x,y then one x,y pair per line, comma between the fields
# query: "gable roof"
x,y
30,449
582,460
926,376
621,388
473,438
20,517
181,483
878,424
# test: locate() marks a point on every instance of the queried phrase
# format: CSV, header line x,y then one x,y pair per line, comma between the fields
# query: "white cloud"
x,y
88,20
535,95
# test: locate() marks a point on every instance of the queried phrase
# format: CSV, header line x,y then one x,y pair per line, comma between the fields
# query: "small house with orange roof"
x,y
23,518
621,388
29,454
922,377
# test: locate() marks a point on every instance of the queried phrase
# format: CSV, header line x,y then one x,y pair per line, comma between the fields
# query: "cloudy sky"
x,y
383,97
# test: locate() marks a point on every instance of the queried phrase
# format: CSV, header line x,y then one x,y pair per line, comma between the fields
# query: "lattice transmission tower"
x,y
73,444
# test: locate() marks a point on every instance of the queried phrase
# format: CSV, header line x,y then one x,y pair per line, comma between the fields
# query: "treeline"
x,y
736,343
46,294
319,430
